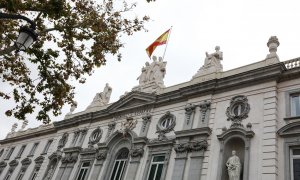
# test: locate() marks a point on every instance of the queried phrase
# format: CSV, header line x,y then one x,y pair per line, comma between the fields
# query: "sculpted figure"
x,y
143,77
72,109
214,59
103,97
157,70
129,124
24,124
234,167
14,127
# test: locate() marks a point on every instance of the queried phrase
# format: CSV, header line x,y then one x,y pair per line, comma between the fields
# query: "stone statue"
x,y
234,167
72,109
154,72
129,124
24,124
103,97
14,127
214,59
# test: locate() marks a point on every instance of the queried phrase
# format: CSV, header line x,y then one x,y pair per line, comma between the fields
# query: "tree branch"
x,y
7,50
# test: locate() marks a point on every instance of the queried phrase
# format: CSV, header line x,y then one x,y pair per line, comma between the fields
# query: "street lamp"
x,y
27,35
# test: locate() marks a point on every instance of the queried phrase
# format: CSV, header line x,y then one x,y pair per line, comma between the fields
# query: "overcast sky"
x,y
240,27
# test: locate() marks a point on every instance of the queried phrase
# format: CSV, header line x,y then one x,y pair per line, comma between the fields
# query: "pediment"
x,y
290,129
132,100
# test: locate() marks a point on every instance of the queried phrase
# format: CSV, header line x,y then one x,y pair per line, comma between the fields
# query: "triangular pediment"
x,y
132,100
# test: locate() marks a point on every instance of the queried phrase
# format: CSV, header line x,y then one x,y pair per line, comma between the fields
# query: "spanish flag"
x,y
162,39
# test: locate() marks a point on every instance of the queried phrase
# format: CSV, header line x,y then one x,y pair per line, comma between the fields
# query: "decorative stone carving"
x,y
14,127
204,107
151,78
3,164
146,119
111,127
95,136
137,152
198,145
128,125
39,160
62,142
182,147
212,63
13,163
189,110
26,161
234,167
101,154
72,109
272,44
238,110
24,124
70,158
165,124
102,98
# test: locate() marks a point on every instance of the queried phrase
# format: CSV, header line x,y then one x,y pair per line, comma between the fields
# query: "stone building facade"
x,y
184,132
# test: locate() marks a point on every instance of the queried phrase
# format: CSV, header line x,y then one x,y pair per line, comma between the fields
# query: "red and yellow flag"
x,y
162,39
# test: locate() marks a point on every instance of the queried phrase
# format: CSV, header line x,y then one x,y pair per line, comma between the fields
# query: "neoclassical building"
x,y
241,124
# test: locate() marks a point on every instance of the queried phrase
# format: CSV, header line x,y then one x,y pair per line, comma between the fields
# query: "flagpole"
x,y
167,42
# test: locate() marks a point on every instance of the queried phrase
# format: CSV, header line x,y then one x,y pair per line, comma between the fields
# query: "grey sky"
x,y
240,28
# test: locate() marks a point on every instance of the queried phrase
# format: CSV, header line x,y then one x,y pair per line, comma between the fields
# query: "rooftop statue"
x,y
24,124
154,72
212,63
72,109
14,127
103,97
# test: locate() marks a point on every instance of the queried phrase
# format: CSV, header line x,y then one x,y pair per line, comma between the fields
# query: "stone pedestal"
x,y
149,87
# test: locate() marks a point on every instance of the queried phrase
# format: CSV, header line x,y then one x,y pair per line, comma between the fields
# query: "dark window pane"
x,y
123,154
158,158
159,171
152,172
84,174
114,170
86,164
80,174
296,165
296,151
120,170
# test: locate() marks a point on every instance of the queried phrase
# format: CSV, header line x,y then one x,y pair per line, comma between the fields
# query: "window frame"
x,y
125,165
47,146
156,163
35,172
9,153
33,149
21,151
288,104
81,167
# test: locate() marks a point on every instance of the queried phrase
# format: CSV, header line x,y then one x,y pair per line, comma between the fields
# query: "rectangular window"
x,y
20,176
295,104
34,174
47,146
21,151
295,163
1,152
156,167
10,153
35,145
8,175
83,172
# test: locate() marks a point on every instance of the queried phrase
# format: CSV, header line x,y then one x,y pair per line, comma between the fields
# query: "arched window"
x,y
120,164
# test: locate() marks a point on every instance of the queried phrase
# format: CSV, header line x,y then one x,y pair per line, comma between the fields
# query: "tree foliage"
x,y
75,36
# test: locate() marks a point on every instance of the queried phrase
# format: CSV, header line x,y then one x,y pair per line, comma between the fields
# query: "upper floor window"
x,y
120,164
34,147
1,152
156,167
20,176
47,146
34,174
10,153
21,151
83,172
295,104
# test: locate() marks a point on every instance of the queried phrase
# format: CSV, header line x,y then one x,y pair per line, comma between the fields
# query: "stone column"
x,y
189,116
100,159
180,160
146,124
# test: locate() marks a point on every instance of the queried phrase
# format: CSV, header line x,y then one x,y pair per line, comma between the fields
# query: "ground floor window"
x,y
295,163
156,167
120,164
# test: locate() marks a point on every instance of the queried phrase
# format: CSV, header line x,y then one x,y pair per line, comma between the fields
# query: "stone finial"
x,y
273,43
14,127
24,124
272,57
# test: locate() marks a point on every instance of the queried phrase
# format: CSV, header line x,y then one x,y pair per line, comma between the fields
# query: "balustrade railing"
x,y
293,63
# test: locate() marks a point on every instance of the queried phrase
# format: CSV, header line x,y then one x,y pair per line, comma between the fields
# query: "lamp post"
x,y
27,35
